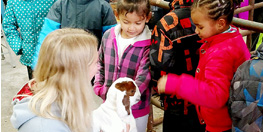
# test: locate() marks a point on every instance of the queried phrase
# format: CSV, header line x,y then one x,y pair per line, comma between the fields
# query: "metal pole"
x,y
247,8
250,25
160,3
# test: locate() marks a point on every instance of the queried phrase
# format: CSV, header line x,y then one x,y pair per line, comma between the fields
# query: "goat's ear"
x,y
126,103
120,86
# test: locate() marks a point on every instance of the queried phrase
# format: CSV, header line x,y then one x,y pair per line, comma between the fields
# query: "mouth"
x,y
200,36
131,33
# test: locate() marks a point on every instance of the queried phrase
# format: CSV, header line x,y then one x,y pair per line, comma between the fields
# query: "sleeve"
x,y
52,22
143,76
160,43
108,17
213,92
55,12
10,27
48,27
99,77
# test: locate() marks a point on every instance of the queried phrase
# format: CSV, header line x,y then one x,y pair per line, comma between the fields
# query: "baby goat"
x,y
115,113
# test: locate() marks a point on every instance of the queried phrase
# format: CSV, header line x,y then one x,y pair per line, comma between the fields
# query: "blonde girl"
x,y
61,92
124,52
222,52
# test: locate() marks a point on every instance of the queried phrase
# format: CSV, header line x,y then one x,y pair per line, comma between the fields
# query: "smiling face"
x,y
205,27
132,24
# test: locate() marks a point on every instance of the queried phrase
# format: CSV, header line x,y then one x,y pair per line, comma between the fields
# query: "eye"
x,y
138,23
200,27
125,22
133,91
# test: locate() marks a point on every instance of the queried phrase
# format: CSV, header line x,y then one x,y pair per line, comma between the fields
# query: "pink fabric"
x,y
220,56
244,15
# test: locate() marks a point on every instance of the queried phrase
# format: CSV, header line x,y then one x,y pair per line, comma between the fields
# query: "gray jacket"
x,y
26,121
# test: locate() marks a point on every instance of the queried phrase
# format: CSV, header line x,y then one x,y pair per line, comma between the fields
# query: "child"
x,y
246,95
95,16
174,49
60,96
27,16
223,50
124,52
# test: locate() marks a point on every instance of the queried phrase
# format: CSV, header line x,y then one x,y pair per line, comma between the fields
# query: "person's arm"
x,y
52,22
160,43
99,77
143,76
211,93
108,17
48,27
10,27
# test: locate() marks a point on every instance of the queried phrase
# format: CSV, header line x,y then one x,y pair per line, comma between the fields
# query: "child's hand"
x,y
161,84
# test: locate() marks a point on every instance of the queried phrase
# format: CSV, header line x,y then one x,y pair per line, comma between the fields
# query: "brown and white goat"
x,y
115,113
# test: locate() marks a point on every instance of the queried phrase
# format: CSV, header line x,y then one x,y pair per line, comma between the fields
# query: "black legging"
x,y
30,72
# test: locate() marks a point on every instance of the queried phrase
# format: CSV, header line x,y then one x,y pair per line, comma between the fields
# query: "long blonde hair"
x,y
61,77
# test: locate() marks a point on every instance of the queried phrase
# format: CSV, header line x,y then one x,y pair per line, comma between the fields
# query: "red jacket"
x,y
220,56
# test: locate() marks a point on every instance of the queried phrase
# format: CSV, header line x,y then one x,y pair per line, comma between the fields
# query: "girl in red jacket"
x,y
223,50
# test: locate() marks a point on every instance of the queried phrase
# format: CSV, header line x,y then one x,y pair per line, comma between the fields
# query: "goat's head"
x,y
131,92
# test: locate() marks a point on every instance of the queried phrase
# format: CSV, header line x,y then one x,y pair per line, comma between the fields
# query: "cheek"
x,y
141,27
92,71
124,26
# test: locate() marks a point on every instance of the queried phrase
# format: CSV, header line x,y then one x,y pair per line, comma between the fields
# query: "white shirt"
x,y
122,44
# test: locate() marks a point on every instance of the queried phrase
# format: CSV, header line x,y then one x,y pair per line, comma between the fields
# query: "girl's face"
x,y
131,24
205,27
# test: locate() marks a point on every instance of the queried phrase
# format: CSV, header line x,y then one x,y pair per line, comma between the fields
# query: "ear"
x,y
120,86
221,24
149,17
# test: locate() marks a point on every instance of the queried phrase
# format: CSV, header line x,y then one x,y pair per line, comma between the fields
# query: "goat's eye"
x,y
133,91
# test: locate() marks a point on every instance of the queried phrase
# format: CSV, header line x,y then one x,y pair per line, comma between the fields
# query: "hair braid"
x,y
216,8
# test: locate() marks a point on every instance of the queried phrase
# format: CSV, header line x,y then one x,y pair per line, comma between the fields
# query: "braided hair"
x,y
217,8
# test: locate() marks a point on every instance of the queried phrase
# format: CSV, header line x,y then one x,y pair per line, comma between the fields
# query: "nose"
x,y
131,27
196,31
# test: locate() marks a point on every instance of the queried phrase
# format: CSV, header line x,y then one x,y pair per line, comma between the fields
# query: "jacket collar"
x,y
219,37
140,41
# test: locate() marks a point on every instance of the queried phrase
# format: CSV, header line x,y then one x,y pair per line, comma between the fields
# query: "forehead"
x,y
199,16
131,16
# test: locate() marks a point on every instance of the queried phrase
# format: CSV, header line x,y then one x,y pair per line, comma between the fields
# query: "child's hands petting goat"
x,y
115,115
